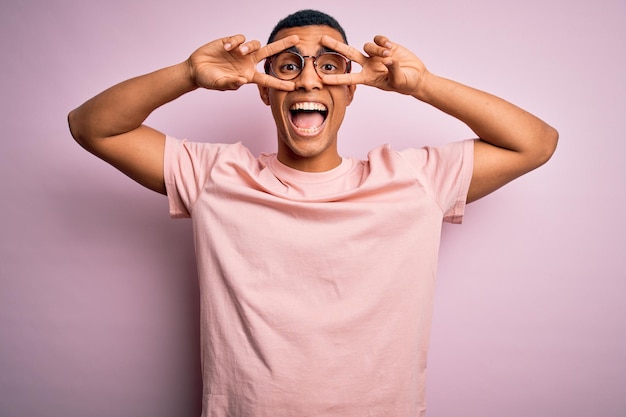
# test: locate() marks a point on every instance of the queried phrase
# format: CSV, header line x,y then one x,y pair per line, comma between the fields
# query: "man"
x,y
316,271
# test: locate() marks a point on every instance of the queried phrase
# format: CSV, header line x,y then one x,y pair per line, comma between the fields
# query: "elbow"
x,y
73,123
550,141
545,146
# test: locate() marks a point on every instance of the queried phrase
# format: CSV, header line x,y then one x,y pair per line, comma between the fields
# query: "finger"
x,y
228,83
344,49
276,47
373,49
268,81
344,79
249,47
383,41
396,75
232,42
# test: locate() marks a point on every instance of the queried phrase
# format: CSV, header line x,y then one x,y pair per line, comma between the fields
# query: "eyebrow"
x,y
322,50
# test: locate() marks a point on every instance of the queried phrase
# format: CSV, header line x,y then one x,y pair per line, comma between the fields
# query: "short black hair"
x,y
307,17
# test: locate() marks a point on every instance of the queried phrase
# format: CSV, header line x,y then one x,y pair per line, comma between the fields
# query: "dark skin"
x,y
511,141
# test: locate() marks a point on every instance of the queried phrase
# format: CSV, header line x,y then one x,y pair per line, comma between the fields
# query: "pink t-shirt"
x,y
316,288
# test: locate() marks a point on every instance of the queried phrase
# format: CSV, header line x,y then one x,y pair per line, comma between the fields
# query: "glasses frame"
x,y
269,70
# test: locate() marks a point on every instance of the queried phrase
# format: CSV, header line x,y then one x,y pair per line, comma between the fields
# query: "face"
x,y
308,118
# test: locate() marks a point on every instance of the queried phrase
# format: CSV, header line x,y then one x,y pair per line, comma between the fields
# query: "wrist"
x,y
425,86
187,75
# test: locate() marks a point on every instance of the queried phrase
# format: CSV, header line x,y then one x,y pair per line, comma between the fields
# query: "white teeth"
x,y
309,106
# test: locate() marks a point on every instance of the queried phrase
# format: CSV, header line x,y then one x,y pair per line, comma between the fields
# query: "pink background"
x,y
98,293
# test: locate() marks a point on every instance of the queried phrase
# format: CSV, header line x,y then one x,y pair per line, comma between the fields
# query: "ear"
x,y
350,92
265,94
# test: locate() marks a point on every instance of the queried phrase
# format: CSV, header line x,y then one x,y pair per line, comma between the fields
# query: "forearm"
x,y
125,106
493,119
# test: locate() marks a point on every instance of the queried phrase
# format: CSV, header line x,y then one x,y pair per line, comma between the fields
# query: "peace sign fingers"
x,y
372,67
276,47
349,52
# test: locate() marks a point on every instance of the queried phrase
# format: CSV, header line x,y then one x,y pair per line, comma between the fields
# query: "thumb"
x,y
229,83
395,74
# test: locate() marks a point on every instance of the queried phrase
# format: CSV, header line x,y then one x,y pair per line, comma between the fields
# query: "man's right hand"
x,y
229,63
110,125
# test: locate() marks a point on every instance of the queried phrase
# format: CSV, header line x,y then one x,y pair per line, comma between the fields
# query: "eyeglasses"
x,y
288,64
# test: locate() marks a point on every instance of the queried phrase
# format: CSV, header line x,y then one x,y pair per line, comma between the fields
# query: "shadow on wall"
x,y
122,315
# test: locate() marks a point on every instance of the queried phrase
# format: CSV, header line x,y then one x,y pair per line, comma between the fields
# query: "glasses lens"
x,y
286,65
331,63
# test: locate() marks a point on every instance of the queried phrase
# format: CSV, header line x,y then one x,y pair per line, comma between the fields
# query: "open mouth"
x,y
308,117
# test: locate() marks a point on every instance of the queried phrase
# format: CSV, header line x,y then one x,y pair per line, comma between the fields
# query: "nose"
x,y
308,79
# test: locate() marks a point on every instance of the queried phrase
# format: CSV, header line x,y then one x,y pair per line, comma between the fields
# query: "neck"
x,y
310,164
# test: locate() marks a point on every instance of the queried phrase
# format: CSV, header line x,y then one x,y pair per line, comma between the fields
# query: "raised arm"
x,y
511,141
110,125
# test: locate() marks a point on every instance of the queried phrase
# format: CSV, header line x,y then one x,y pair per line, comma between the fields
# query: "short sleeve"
x,y
447,172
186,169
